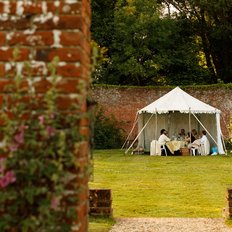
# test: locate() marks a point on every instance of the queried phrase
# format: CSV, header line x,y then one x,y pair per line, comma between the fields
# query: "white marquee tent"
x,y
174,111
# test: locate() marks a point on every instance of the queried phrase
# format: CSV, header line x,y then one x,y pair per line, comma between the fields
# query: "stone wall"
x,y
35,32
123,102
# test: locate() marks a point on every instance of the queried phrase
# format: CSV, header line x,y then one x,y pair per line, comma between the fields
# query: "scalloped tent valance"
x,y
178,100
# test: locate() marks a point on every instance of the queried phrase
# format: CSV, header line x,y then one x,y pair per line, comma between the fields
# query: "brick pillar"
x,y
228,210
38,31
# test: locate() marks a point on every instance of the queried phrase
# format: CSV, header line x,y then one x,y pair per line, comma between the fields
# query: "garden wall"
x,y
123,102
34,32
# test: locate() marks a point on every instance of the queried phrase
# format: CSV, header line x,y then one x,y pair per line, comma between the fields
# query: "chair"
x,y
163,148
203,149
194,151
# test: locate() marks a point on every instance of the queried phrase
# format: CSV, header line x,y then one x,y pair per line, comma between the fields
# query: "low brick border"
x,y
100,202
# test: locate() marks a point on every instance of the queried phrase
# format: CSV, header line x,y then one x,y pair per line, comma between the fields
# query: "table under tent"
x,y
174,111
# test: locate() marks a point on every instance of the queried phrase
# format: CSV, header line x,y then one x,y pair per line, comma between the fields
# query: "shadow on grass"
x,y
100,224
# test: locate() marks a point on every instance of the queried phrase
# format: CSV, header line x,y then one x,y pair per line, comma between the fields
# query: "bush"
x,y
107,135
36,160
228,144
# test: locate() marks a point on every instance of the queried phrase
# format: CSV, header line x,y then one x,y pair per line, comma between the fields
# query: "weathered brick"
x,y
32,8
59,22
2,70
64,54
42,86
65,8
82,217
36,39
19,54
18,24
65,102
2,38
4,85
69,70
83,149
41,30
71,39
69,86
1,7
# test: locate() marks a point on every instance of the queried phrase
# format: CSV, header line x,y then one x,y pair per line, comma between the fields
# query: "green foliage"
x,y
38,161
103,21
212,23
107,134
147,47
229,141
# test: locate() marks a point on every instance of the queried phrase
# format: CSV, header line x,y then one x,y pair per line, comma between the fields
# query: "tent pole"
x,y
155,123
190,125
138,135
223,143
205,128
135,121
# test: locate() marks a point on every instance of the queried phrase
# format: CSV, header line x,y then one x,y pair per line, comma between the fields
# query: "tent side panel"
x,y
219,135
140,126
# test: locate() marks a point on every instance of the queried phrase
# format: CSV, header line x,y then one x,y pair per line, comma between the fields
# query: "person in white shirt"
x,y
163,139
203,137
198,144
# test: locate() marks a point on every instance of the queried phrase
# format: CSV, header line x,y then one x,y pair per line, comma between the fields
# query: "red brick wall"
x,y
39,31
124,102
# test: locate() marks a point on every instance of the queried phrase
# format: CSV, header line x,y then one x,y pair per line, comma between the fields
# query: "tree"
x,y
147,47
103,21
212,21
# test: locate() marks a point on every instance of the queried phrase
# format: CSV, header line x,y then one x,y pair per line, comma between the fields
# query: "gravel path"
x,y
170,225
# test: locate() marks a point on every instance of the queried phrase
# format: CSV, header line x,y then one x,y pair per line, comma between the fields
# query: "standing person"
x,y
163,139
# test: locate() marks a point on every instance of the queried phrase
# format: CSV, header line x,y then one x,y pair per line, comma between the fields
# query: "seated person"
x,y
204,143
198,142
182,134
163,139
203,136
191,138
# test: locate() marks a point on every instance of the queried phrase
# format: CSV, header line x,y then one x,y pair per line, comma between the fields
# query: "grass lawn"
x,y
154,186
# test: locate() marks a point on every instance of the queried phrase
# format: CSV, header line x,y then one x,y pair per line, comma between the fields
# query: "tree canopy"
x,y
147,43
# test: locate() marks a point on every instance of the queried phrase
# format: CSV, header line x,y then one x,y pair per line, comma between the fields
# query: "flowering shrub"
x,y
37,165
103,127
228,142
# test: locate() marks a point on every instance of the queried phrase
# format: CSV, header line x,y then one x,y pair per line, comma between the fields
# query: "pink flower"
x,y
11,178
55,202
19,138
14,147
41,119
50,131
7,179
3,182
52,115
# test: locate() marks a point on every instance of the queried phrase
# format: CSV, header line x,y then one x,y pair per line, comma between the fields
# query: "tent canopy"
x,y
178,100
174,111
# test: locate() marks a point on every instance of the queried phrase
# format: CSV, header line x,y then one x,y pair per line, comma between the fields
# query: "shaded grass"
x,y
100,224
151,186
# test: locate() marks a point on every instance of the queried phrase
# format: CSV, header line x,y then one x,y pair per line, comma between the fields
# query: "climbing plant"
x,y
37,165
